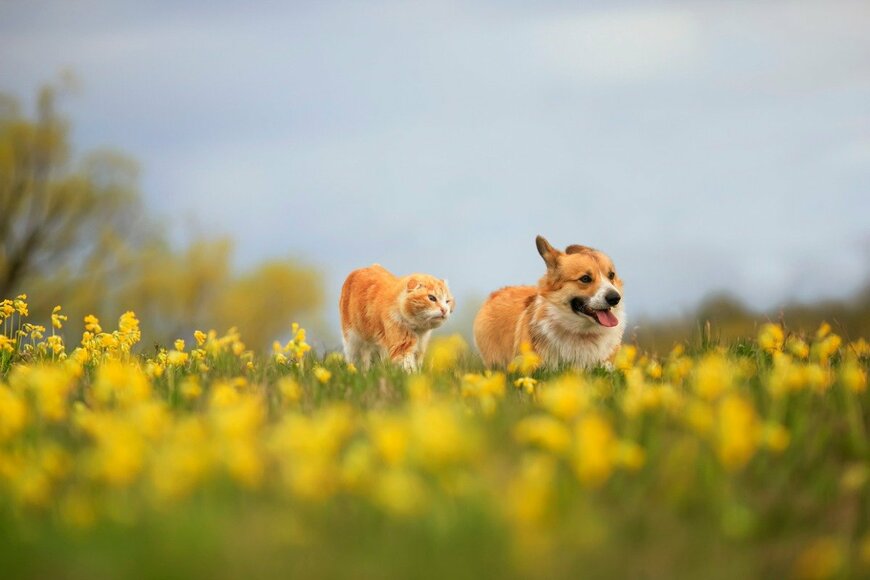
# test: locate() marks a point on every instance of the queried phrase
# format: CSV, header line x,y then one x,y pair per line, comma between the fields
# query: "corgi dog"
x,y
574,316
391,316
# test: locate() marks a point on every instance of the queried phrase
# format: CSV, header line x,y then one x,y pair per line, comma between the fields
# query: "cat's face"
x,y
426,301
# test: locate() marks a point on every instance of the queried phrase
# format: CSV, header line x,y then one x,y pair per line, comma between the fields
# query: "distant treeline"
x,y
724,317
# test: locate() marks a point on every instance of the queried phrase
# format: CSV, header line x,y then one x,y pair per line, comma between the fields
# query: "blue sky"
x,y
703,145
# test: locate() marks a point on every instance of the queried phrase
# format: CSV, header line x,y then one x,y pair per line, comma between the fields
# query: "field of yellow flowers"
x,y
207,460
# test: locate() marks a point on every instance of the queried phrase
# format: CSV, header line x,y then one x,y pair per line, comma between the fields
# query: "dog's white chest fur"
x,y
562,338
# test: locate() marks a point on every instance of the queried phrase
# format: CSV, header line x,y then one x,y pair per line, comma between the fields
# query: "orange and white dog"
x,y
575,315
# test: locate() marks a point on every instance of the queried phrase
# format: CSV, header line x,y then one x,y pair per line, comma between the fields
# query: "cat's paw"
x,y
409,363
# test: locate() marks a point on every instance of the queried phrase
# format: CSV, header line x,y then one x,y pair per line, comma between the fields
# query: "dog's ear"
x,y
577,249
548,252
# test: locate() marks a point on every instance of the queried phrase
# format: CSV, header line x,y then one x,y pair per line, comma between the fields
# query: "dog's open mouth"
x,y
603,317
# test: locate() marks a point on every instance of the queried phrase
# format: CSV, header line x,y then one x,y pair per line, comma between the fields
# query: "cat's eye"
x,y
432,298
612,275
586,278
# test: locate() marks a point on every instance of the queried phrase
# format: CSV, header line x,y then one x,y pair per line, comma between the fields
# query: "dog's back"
x,y
495,325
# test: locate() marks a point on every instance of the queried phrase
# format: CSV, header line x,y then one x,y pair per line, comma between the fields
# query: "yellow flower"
x,y
179,344
296,347
713,375
20,305
400,492
358,467
289,389
322,375
530,494
737,432
852,376
57,319
797,347
190,388
49,385
6,343
440,436
55,344
487,389
108,341
825,348
823,331
630,456
420,388
119,454
526,362
545,432
594,451
92,324
624,358
678,367
128,330
444,353
177,358
654,370
775,437
13,413
565,397
526,383
390,436
120,384
243,462
771,337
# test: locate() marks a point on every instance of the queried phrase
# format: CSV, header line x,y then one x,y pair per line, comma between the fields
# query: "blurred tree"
x,y
264,302
77,235
51,215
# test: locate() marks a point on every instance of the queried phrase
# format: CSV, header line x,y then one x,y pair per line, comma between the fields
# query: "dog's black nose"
x,y
613,297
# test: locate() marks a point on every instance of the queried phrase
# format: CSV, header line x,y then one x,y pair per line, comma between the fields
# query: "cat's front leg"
x,y
422,344
403,349
409,362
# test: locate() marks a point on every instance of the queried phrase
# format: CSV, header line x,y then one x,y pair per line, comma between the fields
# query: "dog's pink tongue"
x,y
605,318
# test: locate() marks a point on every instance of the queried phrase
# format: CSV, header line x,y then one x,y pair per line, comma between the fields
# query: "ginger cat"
x,y
391,316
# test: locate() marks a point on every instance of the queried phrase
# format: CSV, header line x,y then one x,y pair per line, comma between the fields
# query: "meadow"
x,y
204,459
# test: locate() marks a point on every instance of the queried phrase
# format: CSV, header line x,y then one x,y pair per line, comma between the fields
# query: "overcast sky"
x,y
703,145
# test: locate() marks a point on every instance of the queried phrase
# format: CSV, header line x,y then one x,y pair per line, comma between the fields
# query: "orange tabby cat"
x,y
391,316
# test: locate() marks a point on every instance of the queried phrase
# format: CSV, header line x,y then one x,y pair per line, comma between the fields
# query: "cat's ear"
x,y
548,252
412,283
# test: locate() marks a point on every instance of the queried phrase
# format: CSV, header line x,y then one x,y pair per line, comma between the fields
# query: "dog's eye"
x,y
432,298
586,278
612,275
